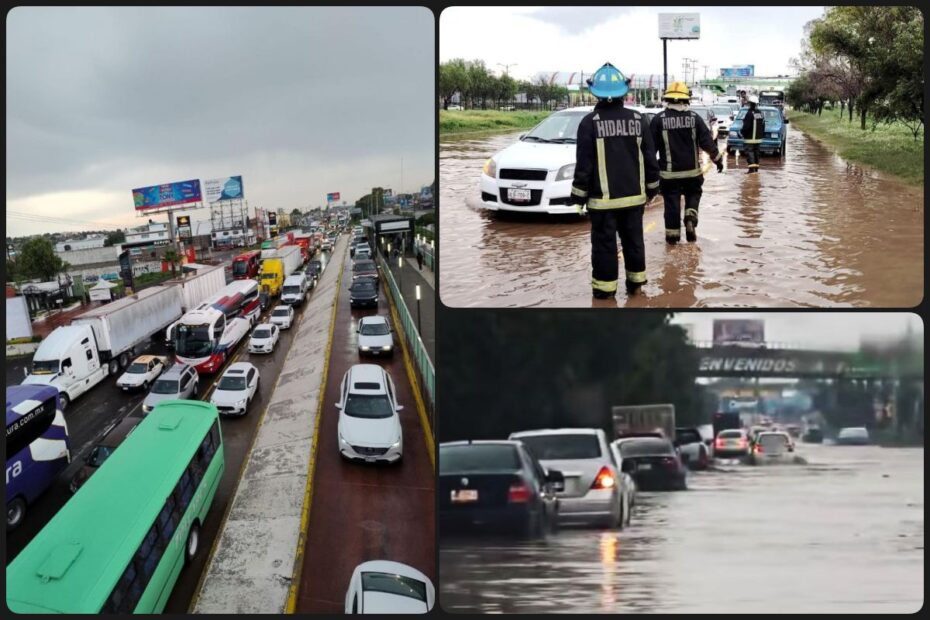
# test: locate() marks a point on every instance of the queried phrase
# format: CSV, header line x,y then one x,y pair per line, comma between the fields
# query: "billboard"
x,y
184,225
679,25
225,188
333,197
738,71
167,195
744,332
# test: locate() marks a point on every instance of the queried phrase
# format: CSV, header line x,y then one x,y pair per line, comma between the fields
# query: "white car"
x,y
534,174
385,587
282,316
369,425
374,336
236,388
724,114
264,338
143,370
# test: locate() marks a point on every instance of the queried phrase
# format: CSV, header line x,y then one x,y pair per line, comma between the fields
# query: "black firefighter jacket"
x,y
680,136
753,128
615,161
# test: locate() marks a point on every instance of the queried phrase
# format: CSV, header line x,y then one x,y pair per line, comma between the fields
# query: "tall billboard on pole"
x,y
225,188
679,25
745,332
157,197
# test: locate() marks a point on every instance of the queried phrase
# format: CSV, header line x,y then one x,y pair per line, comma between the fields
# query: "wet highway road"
x,y
90,415
362,512
809,230
844,533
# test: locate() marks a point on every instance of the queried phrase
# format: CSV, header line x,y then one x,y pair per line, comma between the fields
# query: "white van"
x,y
295,289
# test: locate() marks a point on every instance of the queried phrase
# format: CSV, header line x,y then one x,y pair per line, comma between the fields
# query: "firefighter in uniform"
x,y
679,135
616,174
752,131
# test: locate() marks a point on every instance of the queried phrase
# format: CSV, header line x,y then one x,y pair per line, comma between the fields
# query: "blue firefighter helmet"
x,y
608,83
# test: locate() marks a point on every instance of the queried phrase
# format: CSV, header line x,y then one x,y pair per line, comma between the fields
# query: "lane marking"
x,y
412,377
291,604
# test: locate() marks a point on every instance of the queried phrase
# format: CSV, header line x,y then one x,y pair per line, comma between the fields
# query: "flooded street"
x,y
844,533
810,230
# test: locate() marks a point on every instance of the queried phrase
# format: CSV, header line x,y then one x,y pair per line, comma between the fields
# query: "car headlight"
x,y
490,168
773,135
396,444
366,348
566,172
242,402
387,347
734,134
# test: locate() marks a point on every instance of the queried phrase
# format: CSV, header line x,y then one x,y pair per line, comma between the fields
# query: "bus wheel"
x,y
193,542
65,401
15,511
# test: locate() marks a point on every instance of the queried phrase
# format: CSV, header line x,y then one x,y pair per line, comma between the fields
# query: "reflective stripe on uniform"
x,y
653,185
683,174
672,232
668,151
642,167
608,286
697,147
579,192
753,165
617,203
636,277
602,168
691,212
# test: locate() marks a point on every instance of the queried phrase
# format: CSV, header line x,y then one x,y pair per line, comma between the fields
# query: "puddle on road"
x,y
809,230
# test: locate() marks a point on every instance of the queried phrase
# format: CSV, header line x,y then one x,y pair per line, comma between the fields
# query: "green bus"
x,y
118,546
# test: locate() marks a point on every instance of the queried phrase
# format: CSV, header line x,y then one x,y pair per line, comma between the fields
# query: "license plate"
x,y
125,387
518,195
645,466
369,459
464,495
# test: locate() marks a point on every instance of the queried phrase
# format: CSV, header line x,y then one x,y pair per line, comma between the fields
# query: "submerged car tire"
x,y
15,513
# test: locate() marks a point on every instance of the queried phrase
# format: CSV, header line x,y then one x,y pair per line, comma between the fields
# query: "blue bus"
x,y
36,446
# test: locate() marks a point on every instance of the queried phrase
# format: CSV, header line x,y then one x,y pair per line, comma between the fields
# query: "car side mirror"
x,y
338,406
522,135
556,480
400,407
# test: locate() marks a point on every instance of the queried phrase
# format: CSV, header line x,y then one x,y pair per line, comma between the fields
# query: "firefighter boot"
x,y
602,294
633,287
672,236
690,234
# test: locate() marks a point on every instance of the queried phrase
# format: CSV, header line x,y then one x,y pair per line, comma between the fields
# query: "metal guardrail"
x,y
423,364
428,258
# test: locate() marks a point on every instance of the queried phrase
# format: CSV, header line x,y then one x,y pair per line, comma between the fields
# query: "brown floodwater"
x,y
842,534
811,229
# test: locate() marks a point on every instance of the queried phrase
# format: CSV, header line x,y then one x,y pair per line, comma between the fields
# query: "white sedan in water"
x,y
236,388
374,336
264,338
142,372
385,587
282,316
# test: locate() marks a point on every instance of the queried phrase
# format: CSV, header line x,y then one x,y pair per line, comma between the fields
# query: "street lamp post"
x,y
400,268
419,325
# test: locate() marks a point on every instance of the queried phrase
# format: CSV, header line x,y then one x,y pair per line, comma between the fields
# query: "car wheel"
x,y
629,512
615,518
145,386
193,543
621,516
65,401
15,512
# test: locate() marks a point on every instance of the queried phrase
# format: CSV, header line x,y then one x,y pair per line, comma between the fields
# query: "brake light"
x,y
670,462
757,448
518,494
604,480
742,442
720,443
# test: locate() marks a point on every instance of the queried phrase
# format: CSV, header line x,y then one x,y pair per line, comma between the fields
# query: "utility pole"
x,y
507,67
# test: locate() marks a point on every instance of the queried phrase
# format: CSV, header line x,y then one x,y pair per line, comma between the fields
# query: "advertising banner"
x,y
738,71
167,195
333,197
184,226
744,332
226,188
679,25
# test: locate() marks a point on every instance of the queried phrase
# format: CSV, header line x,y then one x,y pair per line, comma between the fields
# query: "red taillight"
x,y
742,443
757,448
721,443
604,480
670,462
518,494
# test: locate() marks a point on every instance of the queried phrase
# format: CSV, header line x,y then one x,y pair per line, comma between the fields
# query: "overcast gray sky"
x,y
813,330
300,101
583,38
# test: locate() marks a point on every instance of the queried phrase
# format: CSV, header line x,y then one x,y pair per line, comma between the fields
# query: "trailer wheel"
x,y
113,366
124,359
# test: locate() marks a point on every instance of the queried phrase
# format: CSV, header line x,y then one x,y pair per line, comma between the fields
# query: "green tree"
x,y
296,215
115,237
172,257
453,78
11,270
37,259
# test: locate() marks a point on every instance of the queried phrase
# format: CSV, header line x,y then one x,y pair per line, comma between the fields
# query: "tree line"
x,y
478,87
867,59
504,371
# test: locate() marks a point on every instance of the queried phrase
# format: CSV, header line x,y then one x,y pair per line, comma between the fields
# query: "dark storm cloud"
x,y
95,95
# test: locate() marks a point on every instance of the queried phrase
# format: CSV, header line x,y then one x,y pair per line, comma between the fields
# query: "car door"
x,y
274,335
251,382
151,374
187,385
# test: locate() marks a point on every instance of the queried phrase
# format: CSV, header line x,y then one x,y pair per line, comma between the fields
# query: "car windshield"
x,y
363,286
769,114
232,382
368,406
240,268
262,333
559,127
98,455
138,368
478,458
705,113
364,265
165,386
647,446
291,290
689,436
771,441
722,110
394,584
562,447
374,329
280,312
730,434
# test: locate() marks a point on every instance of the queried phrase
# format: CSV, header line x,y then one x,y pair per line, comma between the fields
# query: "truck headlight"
x,y
490,168
566,172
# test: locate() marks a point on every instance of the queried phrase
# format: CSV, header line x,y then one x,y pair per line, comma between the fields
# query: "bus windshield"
x,y
240,268
193,340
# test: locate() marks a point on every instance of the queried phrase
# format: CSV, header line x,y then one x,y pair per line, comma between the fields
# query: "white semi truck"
x,y
76,357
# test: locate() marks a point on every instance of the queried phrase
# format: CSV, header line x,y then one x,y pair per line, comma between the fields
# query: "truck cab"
x,y
271,279
68,359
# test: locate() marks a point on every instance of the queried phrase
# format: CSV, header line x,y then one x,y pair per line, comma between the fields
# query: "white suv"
x,y
369,425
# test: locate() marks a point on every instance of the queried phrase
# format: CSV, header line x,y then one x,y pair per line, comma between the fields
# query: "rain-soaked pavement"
x,y
809,230
844,533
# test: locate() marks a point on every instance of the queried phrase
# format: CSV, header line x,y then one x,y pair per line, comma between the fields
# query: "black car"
x,y
653,463
812,435
313,274
363,293
496,486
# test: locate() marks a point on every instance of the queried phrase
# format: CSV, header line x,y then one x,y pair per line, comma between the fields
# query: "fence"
x,y
426,374
428,257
